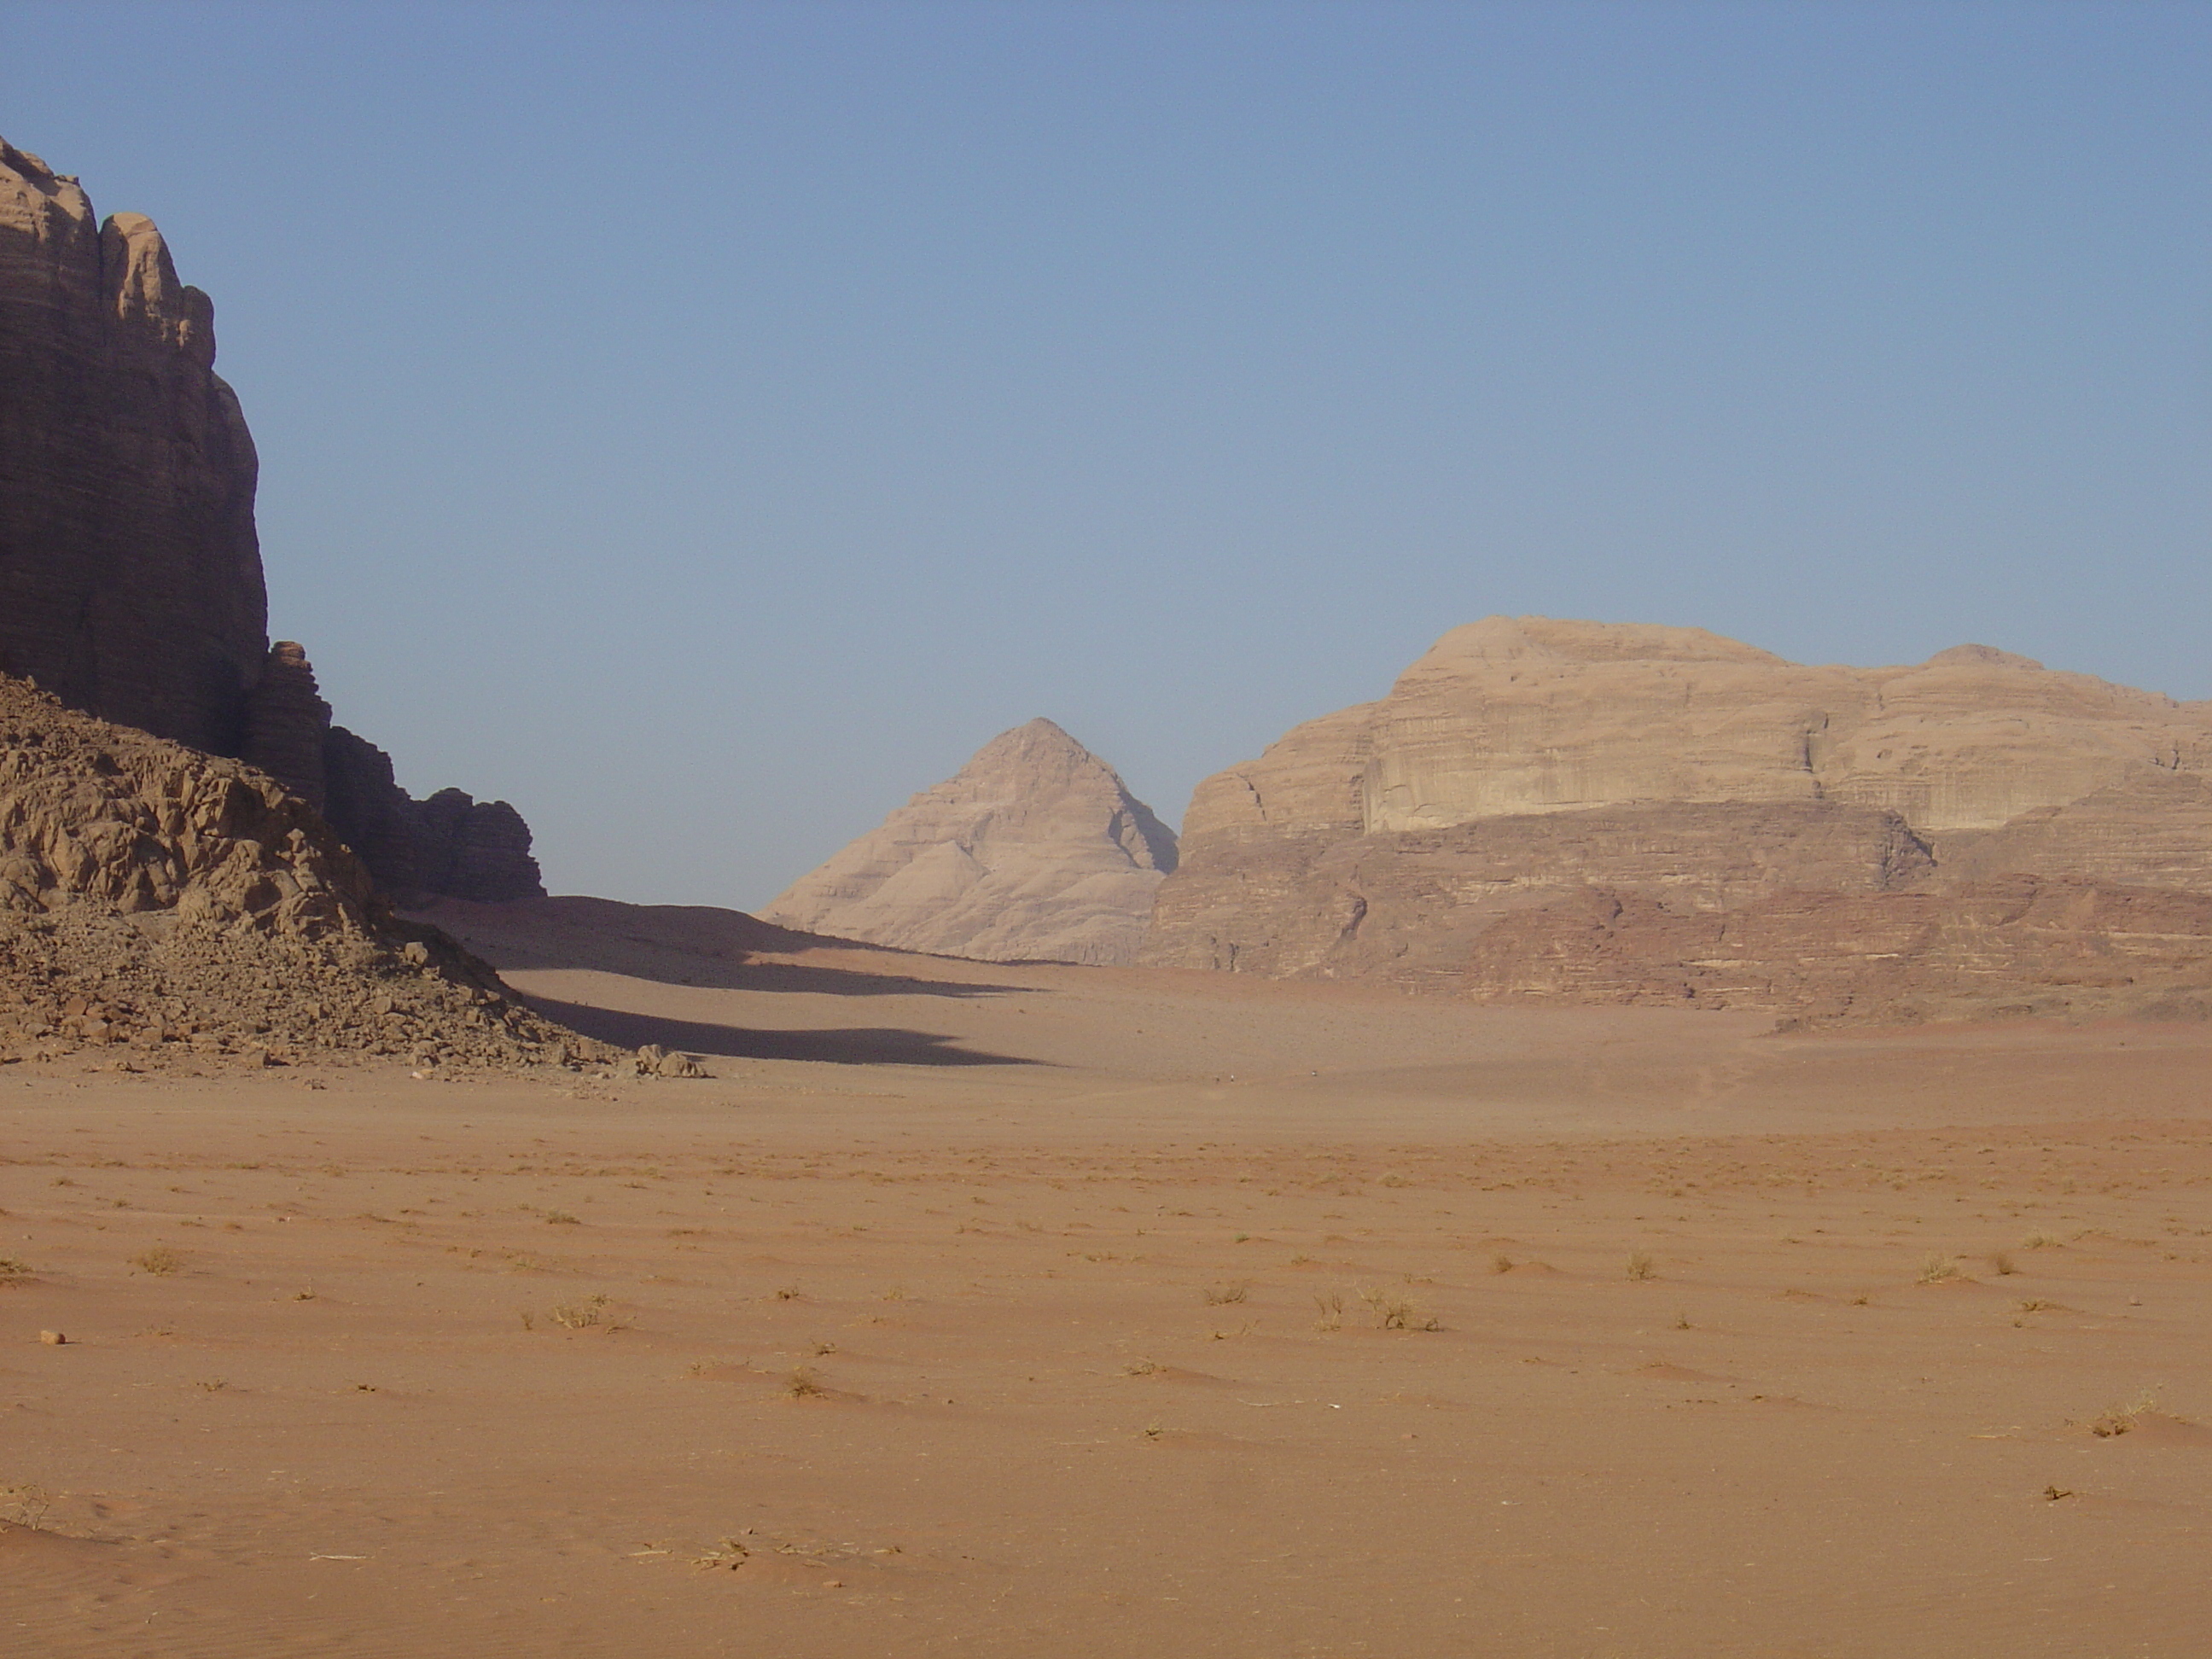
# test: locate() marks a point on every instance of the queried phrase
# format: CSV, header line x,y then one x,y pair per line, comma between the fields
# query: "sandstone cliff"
x,y
130,577
165,902
1524,764
130,580
1034,851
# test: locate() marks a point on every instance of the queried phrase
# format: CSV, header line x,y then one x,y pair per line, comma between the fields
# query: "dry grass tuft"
x,y
730,1554
1218,1295
579,1316
1938,1268
13,1270
803,1384
2116,1420
1395,1311
562,1218
2002,1266
2042,1241
1641,1266
159,1260
1331,1303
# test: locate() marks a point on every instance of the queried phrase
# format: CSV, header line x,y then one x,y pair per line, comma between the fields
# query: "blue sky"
x,y
704,425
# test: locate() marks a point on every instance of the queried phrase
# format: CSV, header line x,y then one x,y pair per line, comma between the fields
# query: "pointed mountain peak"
x,y
1035,850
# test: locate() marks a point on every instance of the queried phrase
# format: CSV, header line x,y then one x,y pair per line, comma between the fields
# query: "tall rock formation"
x,y
1033,851
1523,765
131,581
130,576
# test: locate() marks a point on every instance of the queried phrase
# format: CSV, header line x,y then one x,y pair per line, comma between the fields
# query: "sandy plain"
x,y
1048,1311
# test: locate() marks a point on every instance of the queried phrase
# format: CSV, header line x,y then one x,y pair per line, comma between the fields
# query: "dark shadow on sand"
x,y
684,944
848,1046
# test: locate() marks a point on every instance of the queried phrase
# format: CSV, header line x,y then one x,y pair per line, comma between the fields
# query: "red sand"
x,y
851,1355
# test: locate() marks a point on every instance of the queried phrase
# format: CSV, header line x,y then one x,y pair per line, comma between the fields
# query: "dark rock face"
x,y
451,845
130,582
286,724
130,574
370,811
476,850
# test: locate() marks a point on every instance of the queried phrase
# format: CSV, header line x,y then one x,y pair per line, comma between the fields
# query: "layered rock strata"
x,y
1034,851
1526,768
163,902
2016,946
130,579
1406,907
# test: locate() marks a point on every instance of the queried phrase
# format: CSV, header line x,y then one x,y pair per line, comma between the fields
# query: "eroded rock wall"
x,y
1405,906
130,574
2019,945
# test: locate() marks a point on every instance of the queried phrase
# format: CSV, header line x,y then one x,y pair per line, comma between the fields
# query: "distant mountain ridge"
x,y
1605,785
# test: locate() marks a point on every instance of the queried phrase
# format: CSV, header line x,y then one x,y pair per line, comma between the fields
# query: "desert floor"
x,y
1046,1311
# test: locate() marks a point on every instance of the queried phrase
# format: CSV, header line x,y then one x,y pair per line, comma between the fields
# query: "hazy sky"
x,y
705,425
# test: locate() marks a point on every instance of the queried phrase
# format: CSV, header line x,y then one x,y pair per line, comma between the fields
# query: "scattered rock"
x,y
52,1339
653,1060
173,902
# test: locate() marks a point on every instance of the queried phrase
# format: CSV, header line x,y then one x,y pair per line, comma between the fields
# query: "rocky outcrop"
x,y
1034,851
1406,907
1524,764
451,845
130,575
167,901
476,850
2018,945
287,724
131,581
